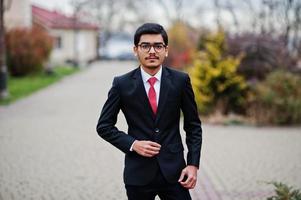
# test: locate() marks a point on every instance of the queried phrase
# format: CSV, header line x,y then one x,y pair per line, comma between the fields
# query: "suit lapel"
x,y
141,93
164,90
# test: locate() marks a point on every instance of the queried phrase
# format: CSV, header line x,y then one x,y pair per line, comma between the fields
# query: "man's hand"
x,y
190,172
146,148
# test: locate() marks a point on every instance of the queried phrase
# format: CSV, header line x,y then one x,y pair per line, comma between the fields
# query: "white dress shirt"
x,y
146,76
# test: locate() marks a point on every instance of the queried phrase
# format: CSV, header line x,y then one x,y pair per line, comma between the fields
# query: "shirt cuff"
x,y
131,149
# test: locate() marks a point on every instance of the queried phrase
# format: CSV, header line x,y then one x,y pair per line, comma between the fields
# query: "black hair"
x,y
150,28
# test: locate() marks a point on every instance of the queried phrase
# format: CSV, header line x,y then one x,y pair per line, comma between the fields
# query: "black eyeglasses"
x,y
146,47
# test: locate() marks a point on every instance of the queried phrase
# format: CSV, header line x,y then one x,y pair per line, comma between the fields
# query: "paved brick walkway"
x,y
237,160
49,148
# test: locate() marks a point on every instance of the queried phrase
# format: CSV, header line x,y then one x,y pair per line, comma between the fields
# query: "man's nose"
x,y
152,50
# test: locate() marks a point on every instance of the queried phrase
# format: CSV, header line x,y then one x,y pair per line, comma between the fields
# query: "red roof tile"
x,y
56,20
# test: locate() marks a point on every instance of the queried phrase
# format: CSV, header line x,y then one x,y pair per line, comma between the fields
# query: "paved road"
x,y
49,148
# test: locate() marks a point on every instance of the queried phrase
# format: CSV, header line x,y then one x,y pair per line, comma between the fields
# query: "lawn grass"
x,y
19,87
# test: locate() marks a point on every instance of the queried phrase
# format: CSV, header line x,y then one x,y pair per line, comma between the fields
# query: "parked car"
x,y
118,48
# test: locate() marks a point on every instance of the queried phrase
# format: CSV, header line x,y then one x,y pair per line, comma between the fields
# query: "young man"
x,y
151,97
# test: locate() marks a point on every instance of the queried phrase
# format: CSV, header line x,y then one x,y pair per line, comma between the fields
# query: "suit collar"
x,y
137,73
164,91
141,93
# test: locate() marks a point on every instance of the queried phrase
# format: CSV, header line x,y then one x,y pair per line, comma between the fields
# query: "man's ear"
x,y
135,50
166,51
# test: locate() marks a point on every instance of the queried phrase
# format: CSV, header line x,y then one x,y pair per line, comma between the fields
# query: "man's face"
x,y
151,50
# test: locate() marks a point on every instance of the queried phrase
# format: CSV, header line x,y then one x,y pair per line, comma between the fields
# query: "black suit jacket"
x,y
128,94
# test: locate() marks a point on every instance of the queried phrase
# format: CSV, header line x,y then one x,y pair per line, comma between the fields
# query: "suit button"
x,y
157,130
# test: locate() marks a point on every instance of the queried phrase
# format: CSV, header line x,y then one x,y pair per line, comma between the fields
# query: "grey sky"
x,y
61,5
65,7
206,15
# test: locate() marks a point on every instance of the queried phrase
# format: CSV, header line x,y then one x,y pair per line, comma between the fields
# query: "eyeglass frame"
x,y
152,46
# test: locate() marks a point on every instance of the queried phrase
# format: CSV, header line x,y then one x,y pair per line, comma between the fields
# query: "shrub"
x,y
277,100
182,46
262,54
284,192
27,50
215,80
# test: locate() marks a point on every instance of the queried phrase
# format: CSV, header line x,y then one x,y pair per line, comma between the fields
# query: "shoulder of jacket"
x,y
126,76
177,73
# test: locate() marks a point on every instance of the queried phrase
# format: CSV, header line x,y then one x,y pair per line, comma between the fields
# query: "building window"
x,y
58,42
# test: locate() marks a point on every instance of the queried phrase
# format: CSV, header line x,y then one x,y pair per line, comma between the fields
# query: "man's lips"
x,y
151,58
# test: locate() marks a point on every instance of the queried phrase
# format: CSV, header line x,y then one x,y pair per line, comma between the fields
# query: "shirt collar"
x,y
146,76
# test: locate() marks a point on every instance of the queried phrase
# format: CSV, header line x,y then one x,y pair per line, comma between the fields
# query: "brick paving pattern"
x,y
49,148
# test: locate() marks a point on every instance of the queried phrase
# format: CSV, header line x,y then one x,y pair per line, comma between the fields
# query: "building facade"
x,y
74,41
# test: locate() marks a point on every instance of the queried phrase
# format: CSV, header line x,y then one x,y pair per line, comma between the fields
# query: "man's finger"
x,y
152,148
193,185
186,183
182,176
152,152
147,155
189,182
188,186
154,144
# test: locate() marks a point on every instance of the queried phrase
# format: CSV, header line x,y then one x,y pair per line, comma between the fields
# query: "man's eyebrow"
x,y
151,43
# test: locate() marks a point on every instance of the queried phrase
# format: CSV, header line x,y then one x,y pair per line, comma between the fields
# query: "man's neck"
x,y
151,71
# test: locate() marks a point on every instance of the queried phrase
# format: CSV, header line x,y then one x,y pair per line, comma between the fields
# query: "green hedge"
x,y
277,100
19,87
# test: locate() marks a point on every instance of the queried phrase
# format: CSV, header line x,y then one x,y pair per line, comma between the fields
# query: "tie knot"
x,y
152,81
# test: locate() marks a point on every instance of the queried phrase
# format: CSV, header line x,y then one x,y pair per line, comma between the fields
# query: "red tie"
x,y
152,94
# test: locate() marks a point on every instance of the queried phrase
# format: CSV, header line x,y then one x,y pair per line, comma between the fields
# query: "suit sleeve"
x,y
192,124
106,124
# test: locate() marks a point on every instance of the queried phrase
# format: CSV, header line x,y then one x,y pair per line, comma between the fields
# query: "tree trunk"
x,y
3,68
